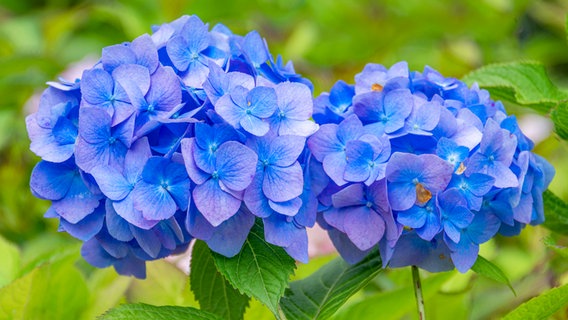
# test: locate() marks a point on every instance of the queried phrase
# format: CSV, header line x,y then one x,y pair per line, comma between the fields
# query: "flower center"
x,y
369,204
111,140
215,175
461,169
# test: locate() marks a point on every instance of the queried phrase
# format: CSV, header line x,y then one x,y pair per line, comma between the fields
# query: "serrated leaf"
x,y
523,83
52,291
542,306
141,311
487,269
320,295
10,262
393,304
260,270
556,213
214,293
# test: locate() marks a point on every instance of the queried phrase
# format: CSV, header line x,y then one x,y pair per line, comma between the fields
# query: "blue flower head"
x,y
195,132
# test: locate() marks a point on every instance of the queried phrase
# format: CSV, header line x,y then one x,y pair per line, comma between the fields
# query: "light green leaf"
x,y
487,269
164,285
53,291
260,270
141,311
560,250
321,294
214,293
556,213
542,306
10,264
107,290
523,83
393,304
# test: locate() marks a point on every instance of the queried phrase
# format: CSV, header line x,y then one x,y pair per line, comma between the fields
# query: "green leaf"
x,y
10,262
260,270
487,269
321,294
214,293
107,290
523,83
559,116
53,291
542,306
560,250
164,285
141,311
393,304
556,213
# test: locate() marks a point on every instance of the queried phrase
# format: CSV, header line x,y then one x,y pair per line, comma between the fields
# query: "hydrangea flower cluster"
x,y
421,166
191,132
195,132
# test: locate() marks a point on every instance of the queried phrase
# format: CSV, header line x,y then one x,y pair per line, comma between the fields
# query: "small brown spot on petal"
x,y
461,169
442,256
423,195
376,87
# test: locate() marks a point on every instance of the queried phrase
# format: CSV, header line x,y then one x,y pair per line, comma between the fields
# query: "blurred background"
x,y
327,40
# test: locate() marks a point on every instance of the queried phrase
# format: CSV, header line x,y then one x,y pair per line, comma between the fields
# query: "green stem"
x,y
418,293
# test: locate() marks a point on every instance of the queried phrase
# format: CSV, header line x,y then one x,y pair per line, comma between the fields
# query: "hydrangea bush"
x,y
195,132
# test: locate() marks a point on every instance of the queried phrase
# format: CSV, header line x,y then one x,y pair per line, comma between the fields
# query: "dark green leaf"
x,y
214,293
487,269
141,311
260,270
393,304
560,118
542,306
321,294
523,83
556,213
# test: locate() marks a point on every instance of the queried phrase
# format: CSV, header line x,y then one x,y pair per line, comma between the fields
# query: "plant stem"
x,y
418,293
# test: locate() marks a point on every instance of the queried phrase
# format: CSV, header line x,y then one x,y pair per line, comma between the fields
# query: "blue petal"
x,y
178,52
96,86
117,227
254,125
165,92
285,150
116,55
146,52
283,184
87,227
348,251
287,208
341,94
111,182
79,201
153,200
359,155
263,101
125,209
147,240
236,165
94,254
255,48
52,181
229,237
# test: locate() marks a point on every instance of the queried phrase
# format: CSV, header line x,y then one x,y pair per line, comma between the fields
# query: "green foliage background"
x,y
328,40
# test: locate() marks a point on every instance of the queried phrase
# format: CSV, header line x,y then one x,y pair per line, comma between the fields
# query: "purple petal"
x,y
165,91
334,165
324,142
197,175
437,173
125,209
352,195
215,204
401,195
254,125
294,100
52,181
364,227
116,55
78,202
146,52
263,101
